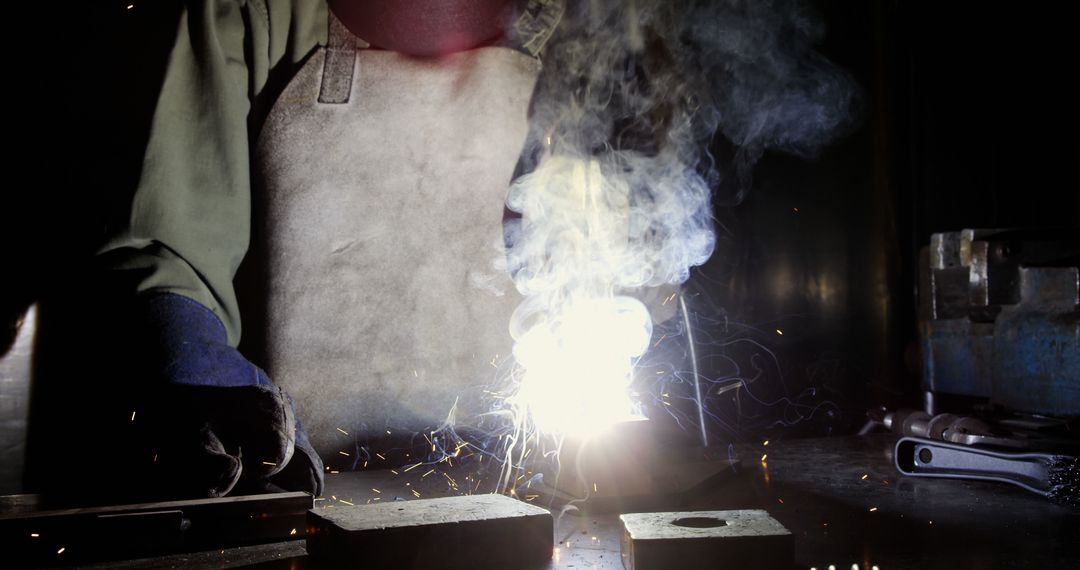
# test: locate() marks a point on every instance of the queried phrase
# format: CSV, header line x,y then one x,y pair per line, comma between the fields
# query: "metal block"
x,y
705,540
475,532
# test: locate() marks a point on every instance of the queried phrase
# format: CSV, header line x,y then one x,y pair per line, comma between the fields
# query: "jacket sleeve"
x,y
188,227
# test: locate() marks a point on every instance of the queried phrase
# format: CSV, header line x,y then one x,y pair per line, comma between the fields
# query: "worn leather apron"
x,y
384,179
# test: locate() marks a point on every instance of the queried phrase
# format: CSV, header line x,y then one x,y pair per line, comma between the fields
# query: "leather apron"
x,y
383,183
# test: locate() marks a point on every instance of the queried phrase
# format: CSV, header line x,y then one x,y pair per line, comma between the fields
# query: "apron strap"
x,y
337,75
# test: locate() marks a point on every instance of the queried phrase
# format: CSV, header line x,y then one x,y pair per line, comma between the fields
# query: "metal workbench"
x,y
840,497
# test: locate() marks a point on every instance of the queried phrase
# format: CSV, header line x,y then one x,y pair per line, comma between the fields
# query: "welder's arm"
x,y
176,254
189,222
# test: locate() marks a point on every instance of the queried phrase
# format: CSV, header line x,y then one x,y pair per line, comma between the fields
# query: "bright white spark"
x,y
577,365
576,336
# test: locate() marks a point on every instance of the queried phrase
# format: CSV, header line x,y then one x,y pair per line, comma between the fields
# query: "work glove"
x,y
217,424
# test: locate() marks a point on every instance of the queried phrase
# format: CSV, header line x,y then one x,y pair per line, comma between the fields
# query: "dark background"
x,y
969,121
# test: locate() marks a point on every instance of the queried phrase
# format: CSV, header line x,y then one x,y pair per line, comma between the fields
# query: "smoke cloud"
x,y
618,173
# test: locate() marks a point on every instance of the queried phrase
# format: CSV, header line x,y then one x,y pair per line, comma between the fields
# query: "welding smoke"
x,y
618,173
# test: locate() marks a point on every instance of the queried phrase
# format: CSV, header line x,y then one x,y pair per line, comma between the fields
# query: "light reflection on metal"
x,y
697,376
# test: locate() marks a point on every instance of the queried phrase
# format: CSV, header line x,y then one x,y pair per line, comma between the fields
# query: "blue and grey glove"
x,y
219,424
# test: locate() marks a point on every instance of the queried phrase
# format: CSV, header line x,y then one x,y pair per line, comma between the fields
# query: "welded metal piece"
x,y
634,459
467,532
705,540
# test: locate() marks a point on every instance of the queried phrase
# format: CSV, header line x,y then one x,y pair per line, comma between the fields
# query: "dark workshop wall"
x,y
84,77
969,120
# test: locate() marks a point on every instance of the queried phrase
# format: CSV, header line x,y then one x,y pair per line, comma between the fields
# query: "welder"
x,y
220,425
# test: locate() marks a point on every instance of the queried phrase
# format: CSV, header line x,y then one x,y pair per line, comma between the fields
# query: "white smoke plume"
x,y
618,175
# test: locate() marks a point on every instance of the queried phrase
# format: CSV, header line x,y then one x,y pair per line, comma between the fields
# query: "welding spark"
x,y
602,221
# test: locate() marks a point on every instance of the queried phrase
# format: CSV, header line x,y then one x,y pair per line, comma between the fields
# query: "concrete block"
x,y
705,540
474,532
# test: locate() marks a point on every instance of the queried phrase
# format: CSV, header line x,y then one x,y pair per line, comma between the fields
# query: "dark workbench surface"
x,y
840,497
